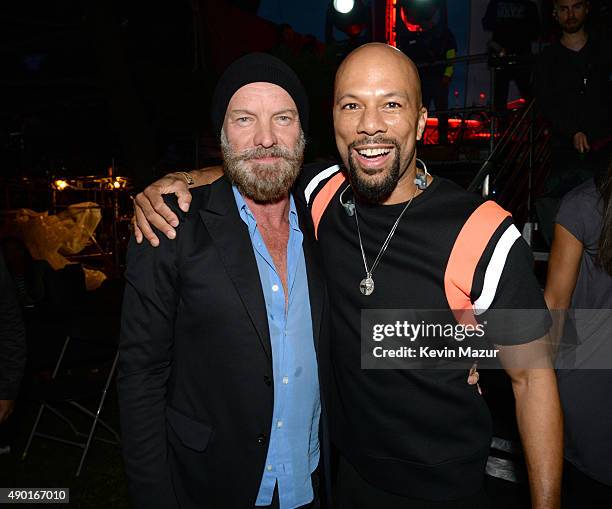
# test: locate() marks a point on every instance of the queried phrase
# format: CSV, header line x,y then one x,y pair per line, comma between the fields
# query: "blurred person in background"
x,y
425,37
12,352
580,279
45,298
573,92
514,25
26,274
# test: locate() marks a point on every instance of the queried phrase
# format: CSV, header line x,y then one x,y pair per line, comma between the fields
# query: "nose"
x,y
264,135
371,122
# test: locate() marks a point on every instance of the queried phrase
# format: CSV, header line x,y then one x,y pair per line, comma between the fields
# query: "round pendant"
x,y
367,286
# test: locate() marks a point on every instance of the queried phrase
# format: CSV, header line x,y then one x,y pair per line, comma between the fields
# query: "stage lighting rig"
x,y
352,17
344,6
419,12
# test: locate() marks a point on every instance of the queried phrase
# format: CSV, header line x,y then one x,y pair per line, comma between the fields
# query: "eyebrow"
x,y
287,110
385,96
247,112
577,4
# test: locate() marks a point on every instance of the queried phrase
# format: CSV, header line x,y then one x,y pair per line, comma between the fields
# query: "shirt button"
x,y
279,424
261,439
275,288
269,468
285,380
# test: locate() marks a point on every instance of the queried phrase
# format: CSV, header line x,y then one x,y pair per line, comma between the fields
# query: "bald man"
x,y
391,237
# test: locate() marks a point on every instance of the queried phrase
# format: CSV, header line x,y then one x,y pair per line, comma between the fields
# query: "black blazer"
x,y
195,367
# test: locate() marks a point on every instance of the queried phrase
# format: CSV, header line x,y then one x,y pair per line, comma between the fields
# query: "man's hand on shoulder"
x,y
150,209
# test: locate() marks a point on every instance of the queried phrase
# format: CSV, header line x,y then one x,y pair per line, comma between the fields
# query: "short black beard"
x,y
379,192
574,29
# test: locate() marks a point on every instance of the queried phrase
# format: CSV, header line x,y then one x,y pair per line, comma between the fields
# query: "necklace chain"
x,y
382,250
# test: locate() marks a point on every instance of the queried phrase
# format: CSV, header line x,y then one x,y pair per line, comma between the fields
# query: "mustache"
x,y
374,140
261,152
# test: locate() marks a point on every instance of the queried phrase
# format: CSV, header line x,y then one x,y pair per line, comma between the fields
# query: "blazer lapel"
x,y
231,238
316,285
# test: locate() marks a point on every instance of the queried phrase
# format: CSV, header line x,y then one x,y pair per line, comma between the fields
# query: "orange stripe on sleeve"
x,y
467,251
323,198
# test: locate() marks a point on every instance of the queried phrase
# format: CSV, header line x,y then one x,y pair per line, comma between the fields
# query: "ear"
x,y
422,122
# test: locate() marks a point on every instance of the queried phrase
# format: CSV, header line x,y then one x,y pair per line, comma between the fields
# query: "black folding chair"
x,y
82,373
93,381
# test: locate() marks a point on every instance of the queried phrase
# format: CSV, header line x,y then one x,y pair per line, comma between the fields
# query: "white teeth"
x,y
374,152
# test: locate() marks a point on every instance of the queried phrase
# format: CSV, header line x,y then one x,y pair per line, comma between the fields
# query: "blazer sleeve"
x,y
145,359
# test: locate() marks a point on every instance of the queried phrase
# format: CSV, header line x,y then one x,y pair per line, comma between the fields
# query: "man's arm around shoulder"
x,y
151,211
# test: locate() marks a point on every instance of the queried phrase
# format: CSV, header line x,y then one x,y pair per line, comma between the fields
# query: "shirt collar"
x,y
248,217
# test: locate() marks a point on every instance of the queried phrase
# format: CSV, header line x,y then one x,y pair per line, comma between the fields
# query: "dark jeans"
x,y
354,492
568,170
315,504
580,491
571,168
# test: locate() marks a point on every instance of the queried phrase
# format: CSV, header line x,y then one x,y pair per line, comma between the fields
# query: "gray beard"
x,y
263,183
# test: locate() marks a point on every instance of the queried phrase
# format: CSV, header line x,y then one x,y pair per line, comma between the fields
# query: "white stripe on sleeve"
x,y
495,268
312,185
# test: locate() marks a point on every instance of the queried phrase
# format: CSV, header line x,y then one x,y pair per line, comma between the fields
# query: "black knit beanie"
x,y
253,68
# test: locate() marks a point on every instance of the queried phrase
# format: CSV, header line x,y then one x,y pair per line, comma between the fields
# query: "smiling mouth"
x,y
373,153
373,159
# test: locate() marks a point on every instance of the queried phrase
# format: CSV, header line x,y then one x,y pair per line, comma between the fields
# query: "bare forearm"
x,y
558,309
206,175
540,424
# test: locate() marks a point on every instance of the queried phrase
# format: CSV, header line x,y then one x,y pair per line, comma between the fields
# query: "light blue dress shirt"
x,y
293,451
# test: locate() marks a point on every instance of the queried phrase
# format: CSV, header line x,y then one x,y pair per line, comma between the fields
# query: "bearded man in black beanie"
x,y
223,343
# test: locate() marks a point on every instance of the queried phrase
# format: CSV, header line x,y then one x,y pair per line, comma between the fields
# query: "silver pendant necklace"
x,y
366,286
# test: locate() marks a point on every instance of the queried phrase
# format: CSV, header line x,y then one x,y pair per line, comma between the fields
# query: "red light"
x,y
391,22
519,103
473,130
482,96
410,26
355,29
456,93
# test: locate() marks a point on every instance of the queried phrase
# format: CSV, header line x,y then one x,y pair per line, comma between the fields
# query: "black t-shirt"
x,y
588,422
418,433
574,88
514,23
